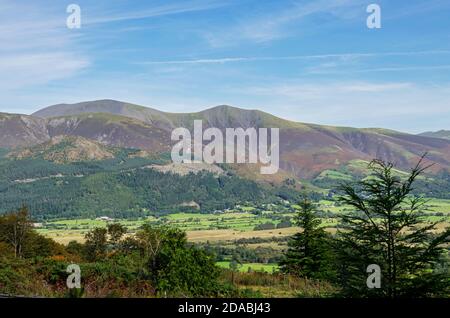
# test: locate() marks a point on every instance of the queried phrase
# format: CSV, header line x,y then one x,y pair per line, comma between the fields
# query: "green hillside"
x,y
121,187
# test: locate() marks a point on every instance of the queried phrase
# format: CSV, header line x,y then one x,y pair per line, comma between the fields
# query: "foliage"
x,y
95,246
15,230
387,229
176,268
309,252
120,188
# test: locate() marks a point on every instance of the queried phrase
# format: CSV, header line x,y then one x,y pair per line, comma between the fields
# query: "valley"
x,y
264,230
82,167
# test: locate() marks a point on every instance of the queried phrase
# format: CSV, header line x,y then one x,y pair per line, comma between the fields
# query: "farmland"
x,y
247,239
246,267
243,222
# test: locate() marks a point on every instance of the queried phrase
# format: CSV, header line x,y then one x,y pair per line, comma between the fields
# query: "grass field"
x,y
232,235
227,226
257,267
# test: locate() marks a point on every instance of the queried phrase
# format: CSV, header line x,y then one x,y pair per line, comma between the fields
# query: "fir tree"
x,y
309,252
387,228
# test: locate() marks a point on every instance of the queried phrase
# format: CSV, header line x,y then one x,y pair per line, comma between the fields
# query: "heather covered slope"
x,y
112,130
65,149
21,130
305,153
305,149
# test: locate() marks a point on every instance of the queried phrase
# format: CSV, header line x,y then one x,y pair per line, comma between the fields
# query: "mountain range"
x,y
306,150
437,134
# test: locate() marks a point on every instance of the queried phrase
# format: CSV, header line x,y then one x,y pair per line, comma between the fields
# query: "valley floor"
x,y
246,227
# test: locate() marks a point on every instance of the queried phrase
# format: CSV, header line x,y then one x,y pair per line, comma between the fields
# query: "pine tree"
x,y
309,252
387,228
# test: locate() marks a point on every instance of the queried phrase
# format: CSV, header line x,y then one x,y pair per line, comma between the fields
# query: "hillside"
x,y
21,130
445,134
112,130
306,150
124,186
112,158
65,149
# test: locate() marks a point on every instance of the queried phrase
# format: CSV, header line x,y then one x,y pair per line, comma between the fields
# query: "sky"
x,y
308,61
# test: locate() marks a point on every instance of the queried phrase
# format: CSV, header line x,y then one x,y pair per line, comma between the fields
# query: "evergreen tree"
x,y
387,228
309,252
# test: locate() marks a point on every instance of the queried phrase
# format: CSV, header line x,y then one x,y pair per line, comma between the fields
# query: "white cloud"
x,y
37,48
341,57
41,68
304,92
275,25
158,11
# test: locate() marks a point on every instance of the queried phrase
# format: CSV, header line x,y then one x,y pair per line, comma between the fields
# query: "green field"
x,y
257,267
243,218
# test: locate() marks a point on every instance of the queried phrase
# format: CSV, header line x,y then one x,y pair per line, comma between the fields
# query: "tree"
x,y
187,271
14,228
152,239
75,248
234,267
116,231
309,252
96,244
386,228
37,245
173,266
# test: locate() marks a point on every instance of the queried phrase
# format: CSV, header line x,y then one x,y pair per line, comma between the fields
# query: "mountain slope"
x,y
445,134
64,149
21,130
145,114
305,149
220,116
113,130
121,187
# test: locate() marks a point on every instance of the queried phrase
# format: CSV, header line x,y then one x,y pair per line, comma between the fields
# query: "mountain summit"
x,y
306,150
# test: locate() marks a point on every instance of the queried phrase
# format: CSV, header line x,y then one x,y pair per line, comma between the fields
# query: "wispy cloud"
x,y
184,55
342,56
36,47
40,68
157,11
201,61
275,25
382,69
302,91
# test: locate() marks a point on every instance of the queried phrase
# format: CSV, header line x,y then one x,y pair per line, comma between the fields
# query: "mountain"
x,y
306,150
144,114
219,116
445,134
65,149
111,158
112,130
21,130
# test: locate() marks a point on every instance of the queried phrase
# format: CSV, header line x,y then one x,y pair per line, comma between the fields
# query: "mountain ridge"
x,y
444,134
305,149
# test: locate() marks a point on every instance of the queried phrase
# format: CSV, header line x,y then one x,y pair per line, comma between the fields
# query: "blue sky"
x,y
309,61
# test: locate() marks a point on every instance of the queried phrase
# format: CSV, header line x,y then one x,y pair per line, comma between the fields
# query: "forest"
x,y
121,188
384,230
